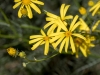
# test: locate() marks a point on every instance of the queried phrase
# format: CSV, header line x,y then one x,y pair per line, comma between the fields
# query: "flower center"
x,y
46,38
68,34
11,51
78,41
24,11
26,2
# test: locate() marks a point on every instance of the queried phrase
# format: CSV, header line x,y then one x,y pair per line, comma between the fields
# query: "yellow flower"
x,y
52,18
82,10
84,46
42,39
90,3
95,8
67,36
25,7
12,51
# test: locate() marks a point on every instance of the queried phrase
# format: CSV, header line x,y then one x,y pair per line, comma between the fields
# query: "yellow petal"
x,y
17,0
95,25
48,24
83,25
75,26
51,29
73,22
19,11
67,43
58,42
94,6
83,51
36,36
62,45
51,15
65,9
49,19
54,39
58,29
62,11
46,48
55,34
42,32
36,45
29,11
79,35
38,2
72,45
35,8
43,42
91,45
95,10
68,17
60,24
16,5
34,40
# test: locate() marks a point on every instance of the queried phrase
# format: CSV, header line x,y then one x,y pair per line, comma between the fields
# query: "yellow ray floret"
x,y
27,5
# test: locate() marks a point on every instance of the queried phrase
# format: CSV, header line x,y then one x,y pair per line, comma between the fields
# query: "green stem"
x,y
41,59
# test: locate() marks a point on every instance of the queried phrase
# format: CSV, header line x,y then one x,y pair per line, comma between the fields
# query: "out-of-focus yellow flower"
x,y
12,51
95,8
90,3
67,36
82,10
83,26
42,39
84,46
22,54
25,7
52,18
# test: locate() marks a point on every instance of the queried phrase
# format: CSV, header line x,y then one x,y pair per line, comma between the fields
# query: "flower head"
x,y
40,40
25,7
90,3
82,10
84,45
12,51
67,36
22,54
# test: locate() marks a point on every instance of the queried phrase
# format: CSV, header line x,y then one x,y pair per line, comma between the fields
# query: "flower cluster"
x,y
62,34
13,52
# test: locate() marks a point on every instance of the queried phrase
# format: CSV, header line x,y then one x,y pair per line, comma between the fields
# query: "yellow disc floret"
x,y
46,38
26,2
11,51
24,11
68,33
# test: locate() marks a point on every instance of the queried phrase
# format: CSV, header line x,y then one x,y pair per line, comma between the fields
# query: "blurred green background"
x,y
15,32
